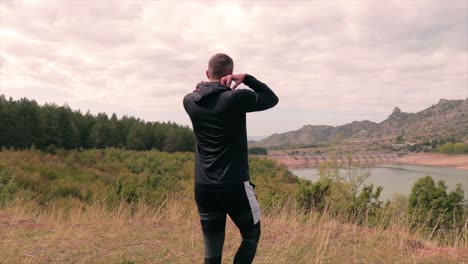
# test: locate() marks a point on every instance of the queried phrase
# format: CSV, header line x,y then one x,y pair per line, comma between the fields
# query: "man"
x,y
222,184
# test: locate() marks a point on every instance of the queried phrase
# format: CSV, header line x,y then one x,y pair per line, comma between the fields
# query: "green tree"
x,y
24,123
448,148
159,135
20,123
459,148
100,132
67,130
136,137
51,127
258,151
430,204
400,139
171,141
116,130
187,142
85,125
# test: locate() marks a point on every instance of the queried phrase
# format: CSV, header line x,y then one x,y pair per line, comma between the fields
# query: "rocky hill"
x,y
447,118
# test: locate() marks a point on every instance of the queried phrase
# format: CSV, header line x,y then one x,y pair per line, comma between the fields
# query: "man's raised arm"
x,y
260,99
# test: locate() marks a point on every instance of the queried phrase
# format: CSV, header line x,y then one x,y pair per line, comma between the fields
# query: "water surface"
x,y
399,178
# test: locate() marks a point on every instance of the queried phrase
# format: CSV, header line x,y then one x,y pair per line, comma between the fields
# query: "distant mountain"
x,y
256,138
448,118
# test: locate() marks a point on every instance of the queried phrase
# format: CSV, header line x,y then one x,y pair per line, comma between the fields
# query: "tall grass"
x,y
116,206
170,233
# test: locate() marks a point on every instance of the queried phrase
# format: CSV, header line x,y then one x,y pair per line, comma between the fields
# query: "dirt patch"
x,y
9,222
421,249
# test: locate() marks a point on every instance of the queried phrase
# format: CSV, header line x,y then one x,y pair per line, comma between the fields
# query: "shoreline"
x,y
459,161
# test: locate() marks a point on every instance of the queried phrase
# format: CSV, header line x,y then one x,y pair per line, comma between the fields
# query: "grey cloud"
x,y
3,62
323,56
416,26
97,24
38,93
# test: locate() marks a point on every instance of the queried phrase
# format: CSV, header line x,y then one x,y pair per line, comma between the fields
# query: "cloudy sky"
x,y
329,62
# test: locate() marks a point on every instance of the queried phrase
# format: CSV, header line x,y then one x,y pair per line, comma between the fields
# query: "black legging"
x,y
238,201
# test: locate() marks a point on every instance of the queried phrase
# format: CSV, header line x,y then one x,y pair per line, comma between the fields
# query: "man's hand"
x,y
237,78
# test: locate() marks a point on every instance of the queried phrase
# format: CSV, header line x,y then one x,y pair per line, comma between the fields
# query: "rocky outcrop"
x,y
448,118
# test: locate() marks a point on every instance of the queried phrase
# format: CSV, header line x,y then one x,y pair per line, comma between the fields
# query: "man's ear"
x,y
207,74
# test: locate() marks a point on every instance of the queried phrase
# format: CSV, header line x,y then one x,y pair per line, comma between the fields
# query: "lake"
x,y
399,178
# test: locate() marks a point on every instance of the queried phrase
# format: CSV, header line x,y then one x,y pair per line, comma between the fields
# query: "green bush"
x,y
446,148
311,196
400,139
453,148
274,183
342,192
460,148
114,175
8,186
431,206
258,151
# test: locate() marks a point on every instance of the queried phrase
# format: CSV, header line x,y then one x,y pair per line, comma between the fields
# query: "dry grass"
x,y
171,233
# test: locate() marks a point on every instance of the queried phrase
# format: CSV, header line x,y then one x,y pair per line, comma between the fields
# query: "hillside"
x,y
446,119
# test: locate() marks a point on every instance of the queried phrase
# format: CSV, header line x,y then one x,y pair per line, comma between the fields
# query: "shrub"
x,y
460,148
453,148
258,151
430,205
112,176
311,196
399,139
342,192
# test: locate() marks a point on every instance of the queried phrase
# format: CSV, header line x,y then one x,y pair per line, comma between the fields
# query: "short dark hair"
x,y
220,65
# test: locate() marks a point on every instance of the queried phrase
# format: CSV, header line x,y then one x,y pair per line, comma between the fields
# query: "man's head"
x,y
219,66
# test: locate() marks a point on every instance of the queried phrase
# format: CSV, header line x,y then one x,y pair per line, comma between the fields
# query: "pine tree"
x,y
135,137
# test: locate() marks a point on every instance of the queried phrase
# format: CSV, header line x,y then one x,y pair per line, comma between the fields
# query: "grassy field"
x,y
39,224
171,234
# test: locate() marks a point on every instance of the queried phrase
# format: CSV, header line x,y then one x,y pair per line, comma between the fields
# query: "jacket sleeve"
x,y
261,98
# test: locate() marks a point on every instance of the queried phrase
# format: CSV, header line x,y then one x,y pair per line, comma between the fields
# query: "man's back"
x,y
218,116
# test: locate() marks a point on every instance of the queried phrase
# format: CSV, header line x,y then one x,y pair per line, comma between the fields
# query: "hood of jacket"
x,y
207,90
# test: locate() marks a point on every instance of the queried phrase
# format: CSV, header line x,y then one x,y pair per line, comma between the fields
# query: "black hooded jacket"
x,y
218,117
